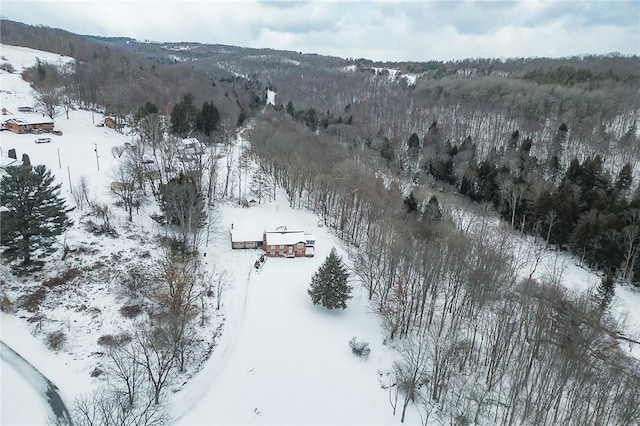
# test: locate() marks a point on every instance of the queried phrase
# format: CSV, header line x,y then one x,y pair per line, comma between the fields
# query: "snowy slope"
x,y
279,359
68,156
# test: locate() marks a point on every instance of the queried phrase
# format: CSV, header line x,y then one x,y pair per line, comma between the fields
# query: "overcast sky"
x,y
379,30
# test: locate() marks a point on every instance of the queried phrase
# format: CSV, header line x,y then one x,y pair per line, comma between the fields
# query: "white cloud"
x,y
400,30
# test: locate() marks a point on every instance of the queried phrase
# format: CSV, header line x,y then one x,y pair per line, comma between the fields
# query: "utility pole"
x,y
96,151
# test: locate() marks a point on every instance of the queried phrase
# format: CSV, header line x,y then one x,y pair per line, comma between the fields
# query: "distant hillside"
x,y
122,80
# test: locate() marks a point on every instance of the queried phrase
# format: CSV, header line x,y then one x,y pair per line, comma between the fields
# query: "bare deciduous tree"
x,y
157,355
110,407
48,99
123,187
80,192
411,370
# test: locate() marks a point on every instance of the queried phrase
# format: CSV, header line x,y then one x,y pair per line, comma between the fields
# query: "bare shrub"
x,y
111,340
31,302
138,282
7,306
131,311
102,213
360,349
6,66
56,340
80,193
117,151
62,279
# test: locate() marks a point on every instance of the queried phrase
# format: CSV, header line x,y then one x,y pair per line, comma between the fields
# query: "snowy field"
x,y
283,360
279,359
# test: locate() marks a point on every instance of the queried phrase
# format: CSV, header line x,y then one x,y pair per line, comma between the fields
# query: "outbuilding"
x,y
246,237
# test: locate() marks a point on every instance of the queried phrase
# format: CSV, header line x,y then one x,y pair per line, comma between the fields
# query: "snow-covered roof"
x,y
246,232
190,141
309,237
284,238
31,120
6,162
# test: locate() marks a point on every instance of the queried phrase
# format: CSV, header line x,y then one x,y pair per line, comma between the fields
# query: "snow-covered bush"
x,y
56,339
360,349
6,66
131,311
31,302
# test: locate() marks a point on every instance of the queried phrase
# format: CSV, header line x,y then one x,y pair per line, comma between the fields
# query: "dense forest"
x,y
386,154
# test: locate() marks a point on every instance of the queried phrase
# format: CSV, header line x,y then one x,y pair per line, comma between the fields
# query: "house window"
x,y
299,245
281,246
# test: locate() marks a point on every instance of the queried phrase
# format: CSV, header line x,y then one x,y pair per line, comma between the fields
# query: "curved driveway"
x,y
37,380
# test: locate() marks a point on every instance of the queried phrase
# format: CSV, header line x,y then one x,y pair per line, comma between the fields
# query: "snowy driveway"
x,y
27,396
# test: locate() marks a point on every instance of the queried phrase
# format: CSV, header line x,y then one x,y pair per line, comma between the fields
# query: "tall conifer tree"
x,y
329,286
33,215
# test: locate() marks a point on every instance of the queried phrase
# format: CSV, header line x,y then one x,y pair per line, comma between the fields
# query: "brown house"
x,y
288,244
279,242
23,125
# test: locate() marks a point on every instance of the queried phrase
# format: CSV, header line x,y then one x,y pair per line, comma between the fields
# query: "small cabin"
x,y
111,123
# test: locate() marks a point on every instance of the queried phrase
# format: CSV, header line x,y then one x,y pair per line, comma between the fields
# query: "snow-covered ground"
x,y
279,360
22,397
282,360
271,97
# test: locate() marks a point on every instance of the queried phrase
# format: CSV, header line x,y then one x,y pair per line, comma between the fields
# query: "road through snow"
x,y
27,376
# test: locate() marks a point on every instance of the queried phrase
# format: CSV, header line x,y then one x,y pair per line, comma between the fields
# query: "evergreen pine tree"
x,y
208,119
414,142
625,178
329,286
606,291
183,116
33,215
411,203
